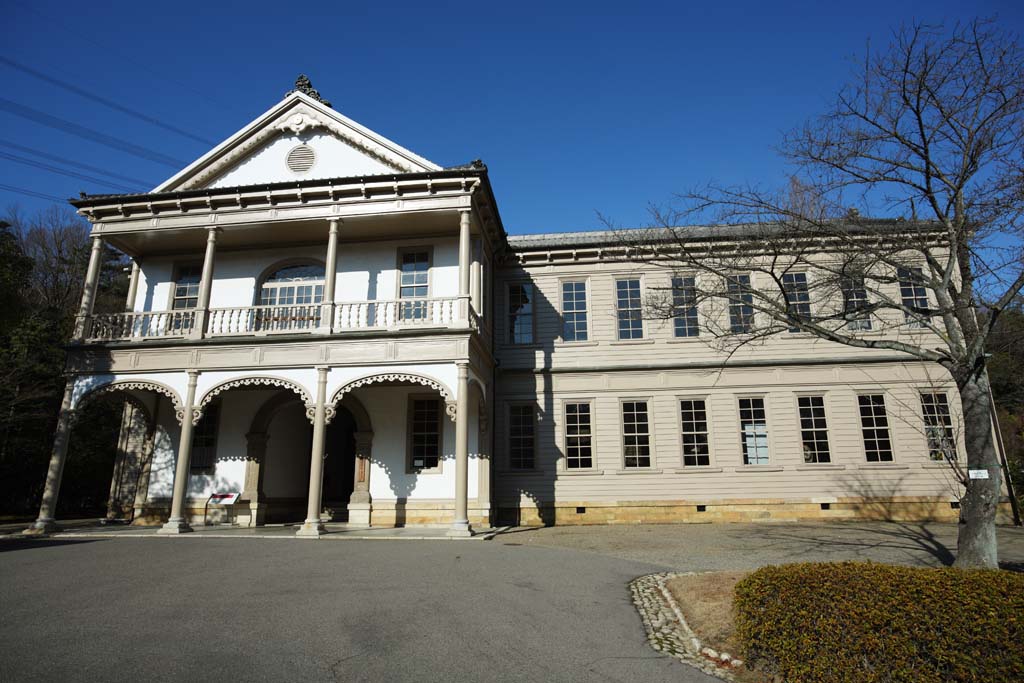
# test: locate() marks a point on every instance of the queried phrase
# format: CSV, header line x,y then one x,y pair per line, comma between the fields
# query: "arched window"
x,y
290,298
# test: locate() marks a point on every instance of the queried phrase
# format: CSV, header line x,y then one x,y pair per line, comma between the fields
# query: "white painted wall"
x,y
334,159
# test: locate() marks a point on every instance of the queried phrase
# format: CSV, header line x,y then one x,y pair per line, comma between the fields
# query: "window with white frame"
x,y
414,284
520,313
741,300
913,296
694,426
855,303
813,429
684,306
938,426
636,434
204,440
293,295
578,446
798,298
185,296
628,307
874,427
424,433
574,311
753,431
522,436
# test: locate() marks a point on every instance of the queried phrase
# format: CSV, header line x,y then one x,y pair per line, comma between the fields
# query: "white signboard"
x,y
978,474
223,498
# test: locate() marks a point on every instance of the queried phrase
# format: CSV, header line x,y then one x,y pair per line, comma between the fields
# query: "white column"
x,y
205,284
133,288
460,525
177,523
464,265
313,527
476,277
330,275
46,523
92,281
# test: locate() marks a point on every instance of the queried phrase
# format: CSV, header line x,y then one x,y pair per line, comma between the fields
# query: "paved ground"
x,y
547,604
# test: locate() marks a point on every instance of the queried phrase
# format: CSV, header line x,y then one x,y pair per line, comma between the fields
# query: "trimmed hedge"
x,y
857,622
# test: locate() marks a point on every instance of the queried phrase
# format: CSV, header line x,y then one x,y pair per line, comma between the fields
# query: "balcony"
x,y
255,321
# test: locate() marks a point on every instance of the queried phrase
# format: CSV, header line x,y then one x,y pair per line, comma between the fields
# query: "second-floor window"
x,y
855,302
741,300
520,313
574,311
798,299
413,285
684,306
628,309
186,288
913,296
293,295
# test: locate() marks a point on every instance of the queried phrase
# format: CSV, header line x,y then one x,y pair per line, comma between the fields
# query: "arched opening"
x,y
289,296
339,465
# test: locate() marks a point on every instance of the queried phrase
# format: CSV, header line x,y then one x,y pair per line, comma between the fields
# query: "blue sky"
x,y
577,108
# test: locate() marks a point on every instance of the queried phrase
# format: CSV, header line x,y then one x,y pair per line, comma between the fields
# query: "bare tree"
x,y
931,134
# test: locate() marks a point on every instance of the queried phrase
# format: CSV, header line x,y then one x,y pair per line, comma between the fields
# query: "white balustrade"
x,y
140,325
396,314
244,320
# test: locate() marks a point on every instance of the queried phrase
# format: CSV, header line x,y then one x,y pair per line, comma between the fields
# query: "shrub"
x,y
865,622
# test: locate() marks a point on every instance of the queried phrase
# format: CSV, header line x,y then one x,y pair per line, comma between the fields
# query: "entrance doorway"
x,y
339,464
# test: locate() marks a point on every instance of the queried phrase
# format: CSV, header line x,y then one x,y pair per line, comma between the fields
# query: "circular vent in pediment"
x,y
301,159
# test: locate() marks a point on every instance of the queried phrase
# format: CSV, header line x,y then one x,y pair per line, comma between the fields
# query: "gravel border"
x,y
668,632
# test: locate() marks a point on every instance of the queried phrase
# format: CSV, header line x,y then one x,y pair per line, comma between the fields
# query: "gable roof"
x,y
294,114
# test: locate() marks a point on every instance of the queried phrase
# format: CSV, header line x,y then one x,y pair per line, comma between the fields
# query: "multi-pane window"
x,y
204,440
913,295
294,293
186,288
684,306
938,426
798,299
520,313
813,428
628,309
578,446
522,435
574,311
855,302
694,420
741,300
753,431
424,433
636,434
413,285
874,427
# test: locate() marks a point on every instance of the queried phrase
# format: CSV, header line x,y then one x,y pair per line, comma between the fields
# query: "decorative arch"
x,y
387,377
266,380
126,387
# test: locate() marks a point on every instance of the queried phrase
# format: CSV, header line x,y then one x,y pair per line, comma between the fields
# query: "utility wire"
x,y
77,164
71,174
81,92
30,193
88,133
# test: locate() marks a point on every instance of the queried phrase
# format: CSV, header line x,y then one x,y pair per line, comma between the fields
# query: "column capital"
x,y
211,232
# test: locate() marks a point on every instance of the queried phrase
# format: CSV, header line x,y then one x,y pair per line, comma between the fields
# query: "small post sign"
x,y
977,474
223,500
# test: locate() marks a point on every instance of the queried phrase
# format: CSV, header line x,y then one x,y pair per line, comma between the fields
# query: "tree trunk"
x,y
976,540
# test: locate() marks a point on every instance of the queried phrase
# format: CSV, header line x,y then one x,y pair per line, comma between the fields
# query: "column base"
x,y
174,527
359,514
42,527
460,530
311,529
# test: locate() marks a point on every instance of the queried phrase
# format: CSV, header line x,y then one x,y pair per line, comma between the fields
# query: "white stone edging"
x,y
668,632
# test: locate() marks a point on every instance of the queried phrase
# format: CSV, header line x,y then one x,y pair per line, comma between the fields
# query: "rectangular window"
x,y
522,429
636,434
694,416
424,433
578,447
798,299
413,284
938,426
684,306
520,313
754,431
574,311
855,302
204,440
741,299
186,288
874,426
628,309
813,428
913,296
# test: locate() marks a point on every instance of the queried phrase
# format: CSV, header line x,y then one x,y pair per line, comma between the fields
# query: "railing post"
x,y
205,283
330,274
92,281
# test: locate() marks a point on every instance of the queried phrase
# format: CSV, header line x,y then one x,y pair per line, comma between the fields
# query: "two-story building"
x,y
342,330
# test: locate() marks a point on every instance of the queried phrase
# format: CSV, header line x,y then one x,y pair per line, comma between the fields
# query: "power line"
x,y
70,174
77,164
30,193
88,133
81,92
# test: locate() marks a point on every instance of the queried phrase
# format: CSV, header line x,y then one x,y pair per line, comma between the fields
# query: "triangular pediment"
x,y
297,139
